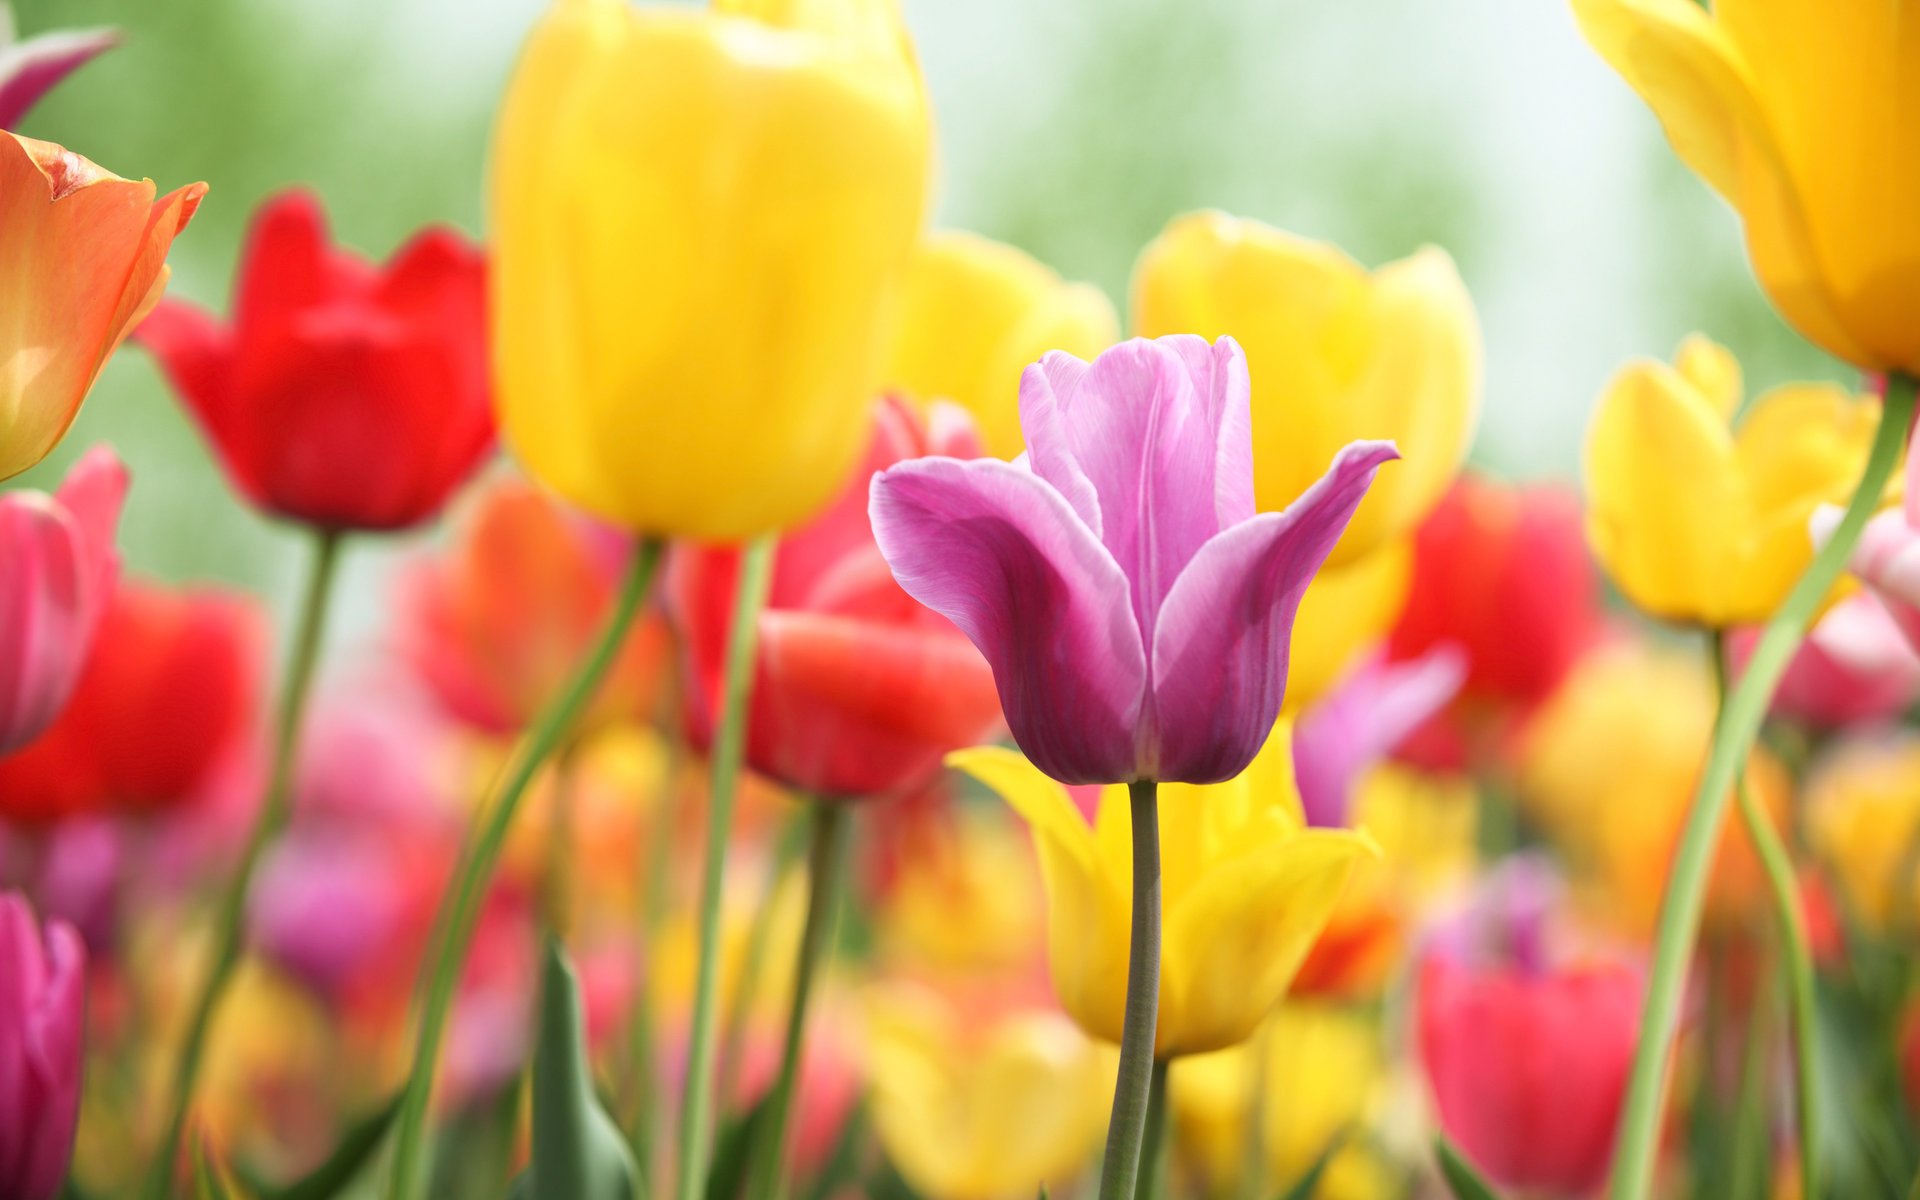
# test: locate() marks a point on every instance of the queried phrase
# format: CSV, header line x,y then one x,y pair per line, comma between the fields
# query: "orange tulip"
x,y
82,260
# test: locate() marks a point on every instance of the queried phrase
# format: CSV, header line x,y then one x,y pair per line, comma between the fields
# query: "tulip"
x,y
981,1106
82,261
1696,521
30,69
1333,1054
1527,1058
494,623
167,694
1856,666
1887,558
1749,95
42,1026
343,395
1359,725
976,312
1863,815
1346,615
1135,609
1247,888
1607,767
1339,353
962,903
1501,572
858,690
702,224
62,567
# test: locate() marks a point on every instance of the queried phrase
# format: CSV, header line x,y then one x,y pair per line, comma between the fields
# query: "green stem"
x,y
1733,737
1158,1162
826,879
309,632
753,960
476,868
1127,1128
696,1107
556,872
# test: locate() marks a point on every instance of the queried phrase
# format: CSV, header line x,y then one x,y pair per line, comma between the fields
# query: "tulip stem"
x,y
1132,1090
462,910
229,930
1733,736
1158,1160
753,962
826,880
696,1107
1797,959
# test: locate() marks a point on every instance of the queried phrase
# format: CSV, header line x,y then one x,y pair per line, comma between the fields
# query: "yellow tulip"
x,y
976,313
1320,1074
1245,886
1863,819
1346,612
963,904
976,1106
1696,521
1336,353
1801,116
701,223
1608,767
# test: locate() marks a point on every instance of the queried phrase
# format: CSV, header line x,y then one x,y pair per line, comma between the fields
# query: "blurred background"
x,y
1073,129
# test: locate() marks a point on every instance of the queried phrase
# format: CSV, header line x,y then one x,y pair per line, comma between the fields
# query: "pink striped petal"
x,y
997,551
1220,647
31,69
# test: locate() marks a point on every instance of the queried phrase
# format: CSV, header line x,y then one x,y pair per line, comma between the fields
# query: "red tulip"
x,y
344,395
1528,1069
168,691
1504,573
497,623
859,691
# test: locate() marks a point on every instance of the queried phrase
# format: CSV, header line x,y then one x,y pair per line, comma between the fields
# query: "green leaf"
x,y
332,1177
731,1152
578,1150
1462,1180
1304,1187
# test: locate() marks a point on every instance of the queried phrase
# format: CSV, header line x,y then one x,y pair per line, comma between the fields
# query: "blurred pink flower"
x,y
61,570
1134,608
31,68
1365,719
42,1026
1855,666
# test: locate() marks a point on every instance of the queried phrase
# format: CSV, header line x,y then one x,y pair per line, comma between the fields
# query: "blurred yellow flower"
x,y
1696,521
1246,888
268,1056
1608,767
1336,353
973,1106
702,221
1320,1073
1801,117
964,905
976,313
1863,820
1346,612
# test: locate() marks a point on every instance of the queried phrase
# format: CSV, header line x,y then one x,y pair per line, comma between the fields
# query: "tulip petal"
x,y
196,353
1234,943
1220,648
289,265
1362,722
30,69
998,552
1046,389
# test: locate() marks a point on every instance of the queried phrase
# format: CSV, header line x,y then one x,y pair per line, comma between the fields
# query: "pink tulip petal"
x,y
31,69
1220,647
994,549
1363,721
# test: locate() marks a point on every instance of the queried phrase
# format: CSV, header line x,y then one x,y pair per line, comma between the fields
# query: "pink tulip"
x,y
1135,610
1364,720
61,569
42,1022
30,69
1855,666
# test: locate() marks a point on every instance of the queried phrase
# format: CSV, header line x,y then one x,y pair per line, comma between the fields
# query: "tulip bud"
x,y
42,1027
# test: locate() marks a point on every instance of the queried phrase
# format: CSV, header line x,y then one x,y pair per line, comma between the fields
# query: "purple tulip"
x,y
1134,607
42,1006
60,571
30,69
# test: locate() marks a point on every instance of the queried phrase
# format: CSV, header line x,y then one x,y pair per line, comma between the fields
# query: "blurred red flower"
x,y
342,394
859,690
1502,572
497,622
168,692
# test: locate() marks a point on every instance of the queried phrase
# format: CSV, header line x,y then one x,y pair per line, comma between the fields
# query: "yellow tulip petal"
x,y
1802,446
1233,944
1346,612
